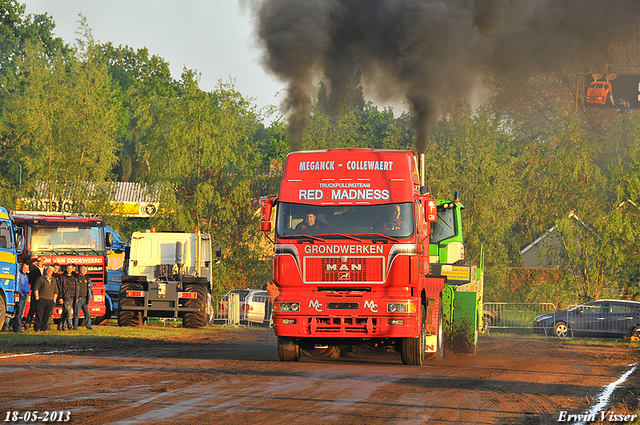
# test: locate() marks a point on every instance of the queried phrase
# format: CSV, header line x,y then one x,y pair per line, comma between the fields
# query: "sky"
x,y
213,37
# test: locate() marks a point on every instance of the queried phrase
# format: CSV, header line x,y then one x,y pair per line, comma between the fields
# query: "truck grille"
x,y
342,306
341,270
350,325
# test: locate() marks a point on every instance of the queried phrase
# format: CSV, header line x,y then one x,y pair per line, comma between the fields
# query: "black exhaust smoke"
x,y
419,50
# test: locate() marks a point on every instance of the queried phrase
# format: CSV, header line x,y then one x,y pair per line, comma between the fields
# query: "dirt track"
x,y
234,377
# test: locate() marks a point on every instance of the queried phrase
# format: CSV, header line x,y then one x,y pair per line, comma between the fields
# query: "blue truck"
x,y
11,244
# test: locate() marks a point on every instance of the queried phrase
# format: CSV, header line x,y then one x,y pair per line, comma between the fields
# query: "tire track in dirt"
x,y
511,380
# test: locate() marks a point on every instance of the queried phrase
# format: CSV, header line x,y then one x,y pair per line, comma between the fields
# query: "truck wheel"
x,y
195,319
3,311
129,317
288,349
412,349
635,332
107,314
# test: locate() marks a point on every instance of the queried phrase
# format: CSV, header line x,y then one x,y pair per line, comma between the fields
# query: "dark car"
x,y
615,318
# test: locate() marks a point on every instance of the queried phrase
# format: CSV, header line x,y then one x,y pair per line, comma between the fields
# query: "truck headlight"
x,y
286,307
406,307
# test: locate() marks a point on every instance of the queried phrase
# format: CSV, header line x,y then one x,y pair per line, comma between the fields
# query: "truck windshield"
x,y
5,236
444,228
60,239
393,220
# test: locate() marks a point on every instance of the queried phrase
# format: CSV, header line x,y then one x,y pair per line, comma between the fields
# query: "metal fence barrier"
x,y
601,319
231,311
513,315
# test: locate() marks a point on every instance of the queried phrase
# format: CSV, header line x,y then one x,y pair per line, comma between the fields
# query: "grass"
x,y
109,336
613,342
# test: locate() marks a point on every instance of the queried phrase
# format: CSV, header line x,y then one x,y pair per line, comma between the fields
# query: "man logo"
x,y
315,304
344,267
371,305
344,275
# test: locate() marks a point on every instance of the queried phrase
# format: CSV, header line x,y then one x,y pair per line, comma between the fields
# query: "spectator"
x,y
35,271
272,292
82,297
23,293
46,293
67,288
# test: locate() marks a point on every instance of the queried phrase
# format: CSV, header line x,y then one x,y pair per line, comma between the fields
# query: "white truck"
x,y
168,276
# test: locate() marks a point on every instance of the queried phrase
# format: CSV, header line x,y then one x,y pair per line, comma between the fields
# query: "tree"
x,y
61,120
141,77
17,30
209,164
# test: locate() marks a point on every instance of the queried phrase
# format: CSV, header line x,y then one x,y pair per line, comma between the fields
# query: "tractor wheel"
x,y
129,317
195,319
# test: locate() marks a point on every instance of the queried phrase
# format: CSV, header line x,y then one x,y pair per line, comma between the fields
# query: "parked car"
x,y
596,318
252,304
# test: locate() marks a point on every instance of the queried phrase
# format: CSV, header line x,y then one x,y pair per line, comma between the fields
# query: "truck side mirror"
x,y
430,210
218,254
19,240
109,239
266,205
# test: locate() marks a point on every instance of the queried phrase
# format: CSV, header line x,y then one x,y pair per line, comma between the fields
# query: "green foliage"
x,y
61,122
523,164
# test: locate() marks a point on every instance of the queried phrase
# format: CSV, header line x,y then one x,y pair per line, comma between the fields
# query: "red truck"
x,y
352,255
68,239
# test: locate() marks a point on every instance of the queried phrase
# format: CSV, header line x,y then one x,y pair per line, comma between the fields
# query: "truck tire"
x,y
288,349
107,314
412,349
3,311
195,319
129,317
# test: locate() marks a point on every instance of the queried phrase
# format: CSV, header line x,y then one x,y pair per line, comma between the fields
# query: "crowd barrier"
x,y
230,311
513,315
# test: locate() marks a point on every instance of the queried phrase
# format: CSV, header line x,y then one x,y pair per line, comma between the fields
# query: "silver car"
x,y
252,305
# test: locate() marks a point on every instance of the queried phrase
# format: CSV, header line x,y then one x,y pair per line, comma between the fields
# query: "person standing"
x,y
67,288
82,297
35,271
272,292
23,293
46,293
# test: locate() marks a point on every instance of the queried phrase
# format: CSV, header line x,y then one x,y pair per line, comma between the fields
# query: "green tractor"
x,y
463,291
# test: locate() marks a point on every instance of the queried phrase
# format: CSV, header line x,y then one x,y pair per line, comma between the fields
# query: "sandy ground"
x,y
234,377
